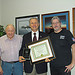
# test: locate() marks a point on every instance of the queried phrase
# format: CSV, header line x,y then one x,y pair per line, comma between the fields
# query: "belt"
x,y
11,61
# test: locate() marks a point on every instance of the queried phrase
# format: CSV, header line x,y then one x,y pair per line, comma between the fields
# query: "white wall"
x,y
15,8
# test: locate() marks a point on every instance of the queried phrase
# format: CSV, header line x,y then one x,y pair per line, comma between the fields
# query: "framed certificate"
x,y
42,49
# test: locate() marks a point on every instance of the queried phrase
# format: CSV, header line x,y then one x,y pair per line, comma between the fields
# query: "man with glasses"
x,y
62,41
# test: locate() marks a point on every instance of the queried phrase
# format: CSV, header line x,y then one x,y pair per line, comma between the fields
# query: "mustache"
x,y
55,26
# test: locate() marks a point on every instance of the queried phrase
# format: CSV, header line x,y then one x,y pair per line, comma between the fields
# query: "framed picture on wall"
x,y
73,10
22,24
46,21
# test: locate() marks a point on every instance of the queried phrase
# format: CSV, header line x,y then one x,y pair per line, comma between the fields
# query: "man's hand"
x,y
21,59
48,60
69,67
1,71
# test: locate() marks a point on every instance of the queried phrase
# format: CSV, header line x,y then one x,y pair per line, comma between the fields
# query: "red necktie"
x,y
34,38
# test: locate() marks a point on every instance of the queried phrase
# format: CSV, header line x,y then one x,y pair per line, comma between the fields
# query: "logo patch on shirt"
x,y
62,37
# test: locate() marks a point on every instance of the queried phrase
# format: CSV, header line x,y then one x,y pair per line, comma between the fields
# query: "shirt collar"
x,y
35,32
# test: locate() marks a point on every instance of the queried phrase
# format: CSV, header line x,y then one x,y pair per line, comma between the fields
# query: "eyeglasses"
x,y
34,23
55,23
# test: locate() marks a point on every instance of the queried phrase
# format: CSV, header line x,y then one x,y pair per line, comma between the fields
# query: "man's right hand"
x,y
21,59
1,71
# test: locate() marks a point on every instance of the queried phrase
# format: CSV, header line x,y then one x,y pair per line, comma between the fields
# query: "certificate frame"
x,y
42,49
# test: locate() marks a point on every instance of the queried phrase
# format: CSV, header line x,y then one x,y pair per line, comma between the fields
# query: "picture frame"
x,y
22,24
73,12
46,21
40,50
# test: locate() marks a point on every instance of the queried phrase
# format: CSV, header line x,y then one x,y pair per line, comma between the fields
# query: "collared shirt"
x,y
9,49
37,35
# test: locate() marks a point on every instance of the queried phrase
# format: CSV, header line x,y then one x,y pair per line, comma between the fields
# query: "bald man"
x,y
9,52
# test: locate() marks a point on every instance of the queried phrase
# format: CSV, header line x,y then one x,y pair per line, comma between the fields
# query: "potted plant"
x,y
2,31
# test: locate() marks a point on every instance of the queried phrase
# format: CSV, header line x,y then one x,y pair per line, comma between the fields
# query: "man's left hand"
x,y
69,67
